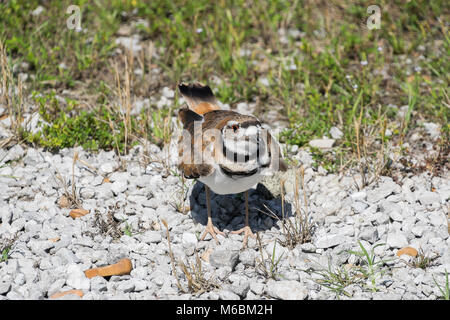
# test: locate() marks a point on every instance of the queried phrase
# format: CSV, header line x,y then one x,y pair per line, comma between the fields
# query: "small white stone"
x,y
287,290
264,82
76,278
428,198
396,240
106,168
322,143
395,215
336,133
38,11
118,187
189,239
168,93
328,241
359,196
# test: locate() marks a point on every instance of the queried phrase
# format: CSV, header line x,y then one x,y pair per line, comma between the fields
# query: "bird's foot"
x,y
212,231
247,233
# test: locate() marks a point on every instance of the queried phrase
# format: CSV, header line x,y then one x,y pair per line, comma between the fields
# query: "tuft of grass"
x,y
180,196
371,267
422,261
106,224
196,281
127,230
337,278
300,230
268,266
70,198
6,245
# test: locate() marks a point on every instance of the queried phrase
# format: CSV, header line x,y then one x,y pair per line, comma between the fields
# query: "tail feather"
x,y
199,98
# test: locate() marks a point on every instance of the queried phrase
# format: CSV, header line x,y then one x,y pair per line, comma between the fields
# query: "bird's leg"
x,y
246,229
209,227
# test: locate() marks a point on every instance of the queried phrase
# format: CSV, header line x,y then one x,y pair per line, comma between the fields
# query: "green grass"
x,y
371,266
318,79
5,255
59,129
445,290
6,245
268,266
45,43
338,278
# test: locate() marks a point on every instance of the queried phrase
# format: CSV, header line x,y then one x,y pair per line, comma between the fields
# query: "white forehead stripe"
x,y
232,122
251,131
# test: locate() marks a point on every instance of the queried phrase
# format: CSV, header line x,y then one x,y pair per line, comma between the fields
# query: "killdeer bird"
x,y
227,151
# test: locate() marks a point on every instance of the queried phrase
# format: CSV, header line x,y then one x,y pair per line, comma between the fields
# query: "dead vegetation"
x,y
437,163
106,224
69,199
422,260
6,246
197,283
11,97
297,229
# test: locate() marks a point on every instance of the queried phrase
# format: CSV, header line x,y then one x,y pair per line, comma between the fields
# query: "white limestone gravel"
x,y
50,251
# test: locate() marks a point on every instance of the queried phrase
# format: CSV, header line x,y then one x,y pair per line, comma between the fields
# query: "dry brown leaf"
x,y
122,267
61,294
77,213
408,251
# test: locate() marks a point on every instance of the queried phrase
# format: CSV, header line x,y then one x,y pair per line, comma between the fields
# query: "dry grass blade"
x,y
197,283
172,259
11,96
297,229
72,197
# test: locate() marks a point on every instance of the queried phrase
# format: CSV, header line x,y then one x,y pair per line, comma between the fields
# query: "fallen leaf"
x,y
124,266
77,213
62,294
408,251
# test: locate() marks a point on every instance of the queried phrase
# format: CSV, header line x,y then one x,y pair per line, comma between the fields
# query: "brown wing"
x,y
199,98
188,150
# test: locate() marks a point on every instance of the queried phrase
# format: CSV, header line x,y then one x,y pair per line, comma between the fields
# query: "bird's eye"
x,y
235,127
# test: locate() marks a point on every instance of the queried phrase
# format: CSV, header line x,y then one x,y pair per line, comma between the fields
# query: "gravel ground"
x,y
129,197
